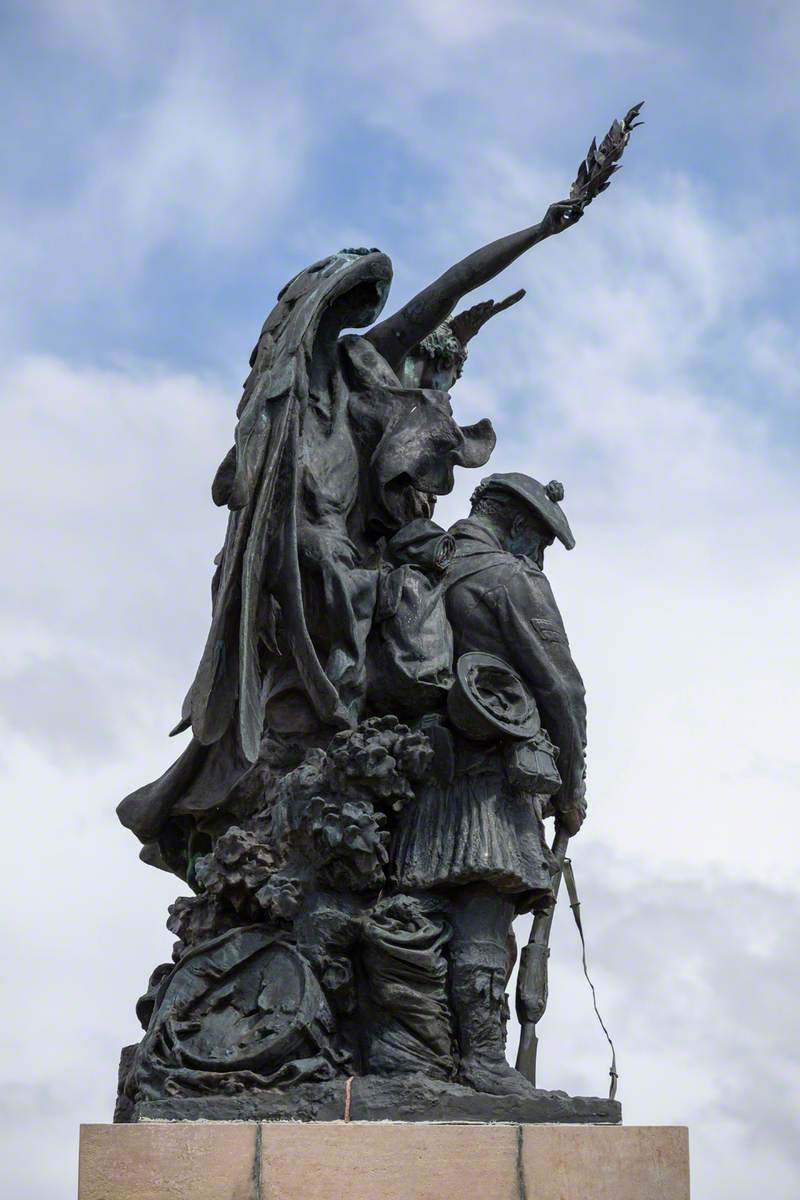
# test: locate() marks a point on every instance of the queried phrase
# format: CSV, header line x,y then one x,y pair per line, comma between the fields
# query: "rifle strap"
x,y
575,905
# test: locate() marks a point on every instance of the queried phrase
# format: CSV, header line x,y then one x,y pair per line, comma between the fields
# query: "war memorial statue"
x,y
384,716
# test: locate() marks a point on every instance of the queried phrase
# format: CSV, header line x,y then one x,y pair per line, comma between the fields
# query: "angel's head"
x,y
437,361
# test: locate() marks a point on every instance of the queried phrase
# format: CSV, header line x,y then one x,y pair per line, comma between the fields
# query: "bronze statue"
x,y
382,716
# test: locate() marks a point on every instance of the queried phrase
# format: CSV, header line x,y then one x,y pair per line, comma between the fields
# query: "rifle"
x,y
531,998
532,977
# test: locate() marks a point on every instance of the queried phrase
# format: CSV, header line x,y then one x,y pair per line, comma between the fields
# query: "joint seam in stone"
x,y
522,1193
257,1165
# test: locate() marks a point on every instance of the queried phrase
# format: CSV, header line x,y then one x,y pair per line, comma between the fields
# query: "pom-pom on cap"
x,y
540,499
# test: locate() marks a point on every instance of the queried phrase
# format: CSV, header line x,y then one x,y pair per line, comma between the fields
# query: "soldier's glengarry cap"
x,y
541,499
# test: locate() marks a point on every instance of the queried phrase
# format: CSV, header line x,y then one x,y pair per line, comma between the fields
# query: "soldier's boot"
x,y
481,1010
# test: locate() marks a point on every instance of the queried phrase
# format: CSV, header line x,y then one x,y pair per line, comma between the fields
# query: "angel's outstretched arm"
x,y
395,336
398,334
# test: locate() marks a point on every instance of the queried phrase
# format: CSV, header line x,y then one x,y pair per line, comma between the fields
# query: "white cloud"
x,y
414,33
108,474
199,162
202,162
110,31
774,355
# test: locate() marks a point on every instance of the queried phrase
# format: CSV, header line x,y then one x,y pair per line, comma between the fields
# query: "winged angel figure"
x,y
342,440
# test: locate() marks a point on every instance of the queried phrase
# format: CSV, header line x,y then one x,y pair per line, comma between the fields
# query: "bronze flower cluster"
x,y
349,842
239,865
383,756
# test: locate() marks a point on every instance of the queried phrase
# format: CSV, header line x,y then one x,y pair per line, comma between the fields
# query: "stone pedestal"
x,y
284,1160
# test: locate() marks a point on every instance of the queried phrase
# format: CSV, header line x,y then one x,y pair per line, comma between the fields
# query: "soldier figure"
x,y
499,601
478,838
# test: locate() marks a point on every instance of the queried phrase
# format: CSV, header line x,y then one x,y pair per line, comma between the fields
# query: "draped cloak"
x,y
407,441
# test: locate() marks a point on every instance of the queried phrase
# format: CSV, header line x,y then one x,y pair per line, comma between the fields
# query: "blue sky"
x,y
167,167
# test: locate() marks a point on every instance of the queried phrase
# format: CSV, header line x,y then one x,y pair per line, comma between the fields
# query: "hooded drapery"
x,y
259,483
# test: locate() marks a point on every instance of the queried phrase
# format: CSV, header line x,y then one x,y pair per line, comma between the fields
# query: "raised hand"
x,y
560,216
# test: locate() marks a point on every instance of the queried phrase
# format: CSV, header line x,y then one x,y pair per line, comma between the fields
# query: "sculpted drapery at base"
x,y
384,715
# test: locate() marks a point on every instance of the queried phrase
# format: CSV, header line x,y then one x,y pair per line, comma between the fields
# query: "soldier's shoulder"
x,y
500,576
526,574
529,586
511,583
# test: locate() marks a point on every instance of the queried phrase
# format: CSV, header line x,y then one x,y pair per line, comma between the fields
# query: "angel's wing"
x,y
471,320
258,480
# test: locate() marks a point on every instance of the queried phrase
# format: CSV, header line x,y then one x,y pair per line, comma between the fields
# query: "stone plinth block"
x,y
285,1160
204,1161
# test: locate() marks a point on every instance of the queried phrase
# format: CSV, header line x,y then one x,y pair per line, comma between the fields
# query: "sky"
x,y
167,167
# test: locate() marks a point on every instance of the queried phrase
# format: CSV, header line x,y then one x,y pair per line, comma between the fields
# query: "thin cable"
x,y
575,905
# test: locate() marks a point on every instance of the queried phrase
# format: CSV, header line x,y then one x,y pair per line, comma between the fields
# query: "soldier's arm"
x,y
539,651
398,334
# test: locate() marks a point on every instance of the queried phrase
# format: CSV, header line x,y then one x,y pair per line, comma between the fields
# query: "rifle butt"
x,y
526,1053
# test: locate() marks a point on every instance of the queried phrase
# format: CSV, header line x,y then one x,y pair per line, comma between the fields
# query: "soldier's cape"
x,y
476,550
